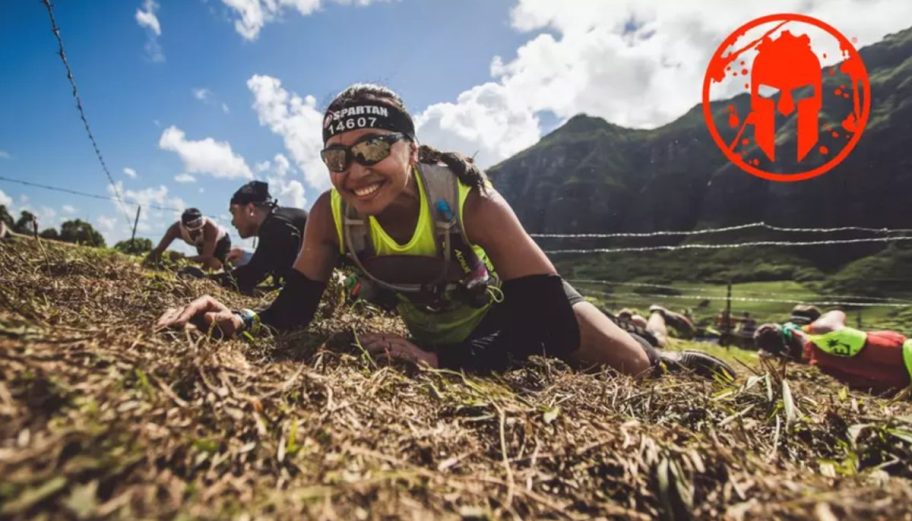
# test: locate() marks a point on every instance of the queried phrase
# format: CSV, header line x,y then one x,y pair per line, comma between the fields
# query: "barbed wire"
x,y
660,296
729,246
687,289
707,231
85,122
84,194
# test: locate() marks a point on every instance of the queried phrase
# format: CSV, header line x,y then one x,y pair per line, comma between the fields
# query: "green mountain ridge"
x,y
593,176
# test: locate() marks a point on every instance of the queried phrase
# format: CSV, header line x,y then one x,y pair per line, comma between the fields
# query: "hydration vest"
x,y
428,281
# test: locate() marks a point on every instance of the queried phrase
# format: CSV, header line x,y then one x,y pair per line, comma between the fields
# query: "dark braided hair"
x,y
463,166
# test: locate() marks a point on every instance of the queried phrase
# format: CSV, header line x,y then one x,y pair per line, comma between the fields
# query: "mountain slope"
x,y
592,176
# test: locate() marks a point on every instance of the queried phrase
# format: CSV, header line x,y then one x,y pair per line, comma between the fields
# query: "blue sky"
x,y
202,93
130,98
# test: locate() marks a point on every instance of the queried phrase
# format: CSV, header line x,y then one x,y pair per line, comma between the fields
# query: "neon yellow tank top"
x,y
450,326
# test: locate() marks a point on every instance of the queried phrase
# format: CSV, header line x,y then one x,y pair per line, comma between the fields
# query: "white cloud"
x,y
146,18
208,97
289,192
635,63
297,121
5,200
47,216
184,178
4,154
641,64
205,156
282,166
68,209
129,172
159,211
252,15
485,122
106,225
202,93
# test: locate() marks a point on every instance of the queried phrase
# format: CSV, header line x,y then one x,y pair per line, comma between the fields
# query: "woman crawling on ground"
x,y
430,236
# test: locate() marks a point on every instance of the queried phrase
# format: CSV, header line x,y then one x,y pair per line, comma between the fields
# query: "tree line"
x,y
74,231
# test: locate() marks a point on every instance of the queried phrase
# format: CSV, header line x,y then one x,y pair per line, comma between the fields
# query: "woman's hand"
x,y
152,259
203,313
396,347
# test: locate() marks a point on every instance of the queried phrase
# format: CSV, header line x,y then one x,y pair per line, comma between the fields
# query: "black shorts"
x,y
572,295
495,320
222,247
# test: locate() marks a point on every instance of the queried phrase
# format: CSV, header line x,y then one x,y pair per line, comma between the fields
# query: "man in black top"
x,y
279,229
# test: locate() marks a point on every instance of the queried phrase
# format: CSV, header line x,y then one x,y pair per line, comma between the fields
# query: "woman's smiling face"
x,y
370,189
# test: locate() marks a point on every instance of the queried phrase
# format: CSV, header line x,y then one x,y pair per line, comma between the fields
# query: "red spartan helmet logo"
x,y
786,64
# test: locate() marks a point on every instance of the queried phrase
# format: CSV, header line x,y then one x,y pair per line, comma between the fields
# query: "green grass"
x,y
765,301
766,287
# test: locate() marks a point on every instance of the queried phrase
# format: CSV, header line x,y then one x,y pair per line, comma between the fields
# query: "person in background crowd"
x,y
254,213
874,361
210,240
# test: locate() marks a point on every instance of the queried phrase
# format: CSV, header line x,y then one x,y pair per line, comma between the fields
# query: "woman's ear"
x,y
413,152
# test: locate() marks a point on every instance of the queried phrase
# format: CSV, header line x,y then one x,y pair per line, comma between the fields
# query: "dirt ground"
x,y
100,417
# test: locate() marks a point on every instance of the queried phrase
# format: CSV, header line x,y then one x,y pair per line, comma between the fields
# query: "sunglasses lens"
x,y
335,158
371,151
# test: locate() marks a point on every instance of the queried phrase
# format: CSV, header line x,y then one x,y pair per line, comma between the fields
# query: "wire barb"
x,y
83,194
707,231
730,245
85,122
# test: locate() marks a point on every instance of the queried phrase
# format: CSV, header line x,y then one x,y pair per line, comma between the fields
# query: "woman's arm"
x,y
537,312
166,241
490,222
298,300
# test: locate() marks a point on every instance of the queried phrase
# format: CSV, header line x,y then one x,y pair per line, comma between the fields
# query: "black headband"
x,y
367,114
252,192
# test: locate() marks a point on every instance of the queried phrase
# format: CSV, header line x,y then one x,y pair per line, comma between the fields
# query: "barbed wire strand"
x,y
659,296
708,231
85,122
729,246
686,289
84,194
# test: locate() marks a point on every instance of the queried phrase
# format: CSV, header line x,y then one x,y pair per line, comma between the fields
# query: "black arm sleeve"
x,y
296,304
279,243
537,318
246,277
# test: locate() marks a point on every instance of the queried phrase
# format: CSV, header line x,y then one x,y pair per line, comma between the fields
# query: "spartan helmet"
x,y
786,64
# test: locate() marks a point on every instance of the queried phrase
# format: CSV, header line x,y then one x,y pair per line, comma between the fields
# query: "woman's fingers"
x,y
176,317
198,306
167,317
